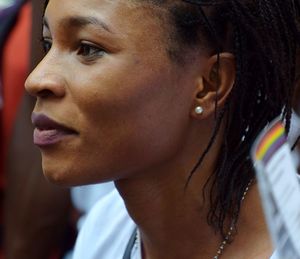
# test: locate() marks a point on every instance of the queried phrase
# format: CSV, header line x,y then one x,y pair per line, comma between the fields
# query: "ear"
x,y
214,85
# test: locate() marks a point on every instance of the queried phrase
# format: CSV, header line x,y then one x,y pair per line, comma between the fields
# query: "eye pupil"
x,y
89,51
86,50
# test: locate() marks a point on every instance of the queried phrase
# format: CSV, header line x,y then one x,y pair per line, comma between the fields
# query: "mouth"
x,y
49,132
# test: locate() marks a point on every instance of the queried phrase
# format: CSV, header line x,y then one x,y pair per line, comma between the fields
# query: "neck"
x,y
165,211
172,219
173,222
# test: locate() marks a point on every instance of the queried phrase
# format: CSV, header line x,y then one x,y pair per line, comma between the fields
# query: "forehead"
x,y
96,4
115,12
134,26
129,20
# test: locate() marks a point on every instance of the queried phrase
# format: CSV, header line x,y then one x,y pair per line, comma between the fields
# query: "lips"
x,y
48,132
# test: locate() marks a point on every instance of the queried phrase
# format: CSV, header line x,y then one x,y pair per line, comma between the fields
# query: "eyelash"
x,y
89,50
86,50
46,44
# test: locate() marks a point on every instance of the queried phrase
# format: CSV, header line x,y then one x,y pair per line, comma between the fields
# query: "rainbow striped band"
x,y
272,140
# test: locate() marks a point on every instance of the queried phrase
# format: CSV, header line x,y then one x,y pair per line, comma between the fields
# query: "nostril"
x,y
45,93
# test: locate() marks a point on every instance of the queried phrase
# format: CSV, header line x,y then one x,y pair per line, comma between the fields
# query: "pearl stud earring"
x,y
199,110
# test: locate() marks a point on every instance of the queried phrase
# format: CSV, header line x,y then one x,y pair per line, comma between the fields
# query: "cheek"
x,y
129,124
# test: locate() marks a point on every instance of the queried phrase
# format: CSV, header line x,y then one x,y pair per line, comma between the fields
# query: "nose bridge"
x,y
48,76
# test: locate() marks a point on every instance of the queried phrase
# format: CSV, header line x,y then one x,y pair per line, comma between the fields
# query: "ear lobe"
x,y
216,83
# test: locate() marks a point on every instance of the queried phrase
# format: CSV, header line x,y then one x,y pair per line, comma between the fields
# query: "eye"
x,y
46,43
90,50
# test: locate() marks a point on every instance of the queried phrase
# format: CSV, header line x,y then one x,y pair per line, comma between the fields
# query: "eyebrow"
x,y
80,21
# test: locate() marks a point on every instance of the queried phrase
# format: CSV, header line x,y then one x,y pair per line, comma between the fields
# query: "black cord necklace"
x,y
130,245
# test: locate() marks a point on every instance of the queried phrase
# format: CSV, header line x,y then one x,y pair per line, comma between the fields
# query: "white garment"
x,y
107,230
294,134
295,128
85,197
274,256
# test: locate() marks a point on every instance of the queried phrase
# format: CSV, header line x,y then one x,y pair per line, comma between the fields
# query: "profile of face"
x,y
110,101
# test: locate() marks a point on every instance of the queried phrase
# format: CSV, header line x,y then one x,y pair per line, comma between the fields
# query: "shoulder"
x,y
106,230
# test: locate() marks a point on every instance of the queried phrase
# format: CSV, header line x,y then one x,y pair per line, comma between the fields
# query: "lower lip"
x,y
43,138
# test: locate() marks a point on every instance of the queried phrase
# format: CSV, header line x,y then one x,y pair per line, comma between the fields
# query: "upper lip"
x,y
43,122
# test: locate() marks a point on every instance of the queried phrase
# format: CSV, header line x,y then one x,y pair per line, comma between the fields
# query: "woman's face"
x,y
118,105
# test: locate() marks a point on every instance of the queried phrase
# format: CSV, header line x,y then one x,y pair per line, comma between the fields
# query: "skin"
x,y
133,112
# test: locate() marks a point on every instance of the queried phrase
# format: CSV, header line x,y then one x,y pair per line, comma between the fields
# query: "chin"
x,y
60,170
57,178
58,173
68,175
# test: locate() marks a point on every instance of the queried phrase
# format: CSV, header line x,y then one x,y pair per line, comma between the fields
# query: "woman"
x,y
165,98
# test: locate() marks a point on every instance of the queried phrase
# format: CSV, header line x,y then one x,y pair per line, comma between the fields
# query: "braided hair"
x,y
264,36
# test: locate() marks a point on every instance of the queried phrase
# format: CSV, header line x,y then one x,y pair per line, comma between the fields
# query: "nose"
x,y
46,80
